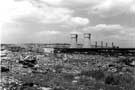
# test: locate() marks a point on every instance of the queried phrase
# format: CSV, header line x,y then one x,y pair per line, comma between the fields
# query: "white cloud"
x,y
53,17
132,8
113,7
121,35
63,16
112,31
53,2
75,32
49,32
10,10
108,27
80,21
50,14
99,7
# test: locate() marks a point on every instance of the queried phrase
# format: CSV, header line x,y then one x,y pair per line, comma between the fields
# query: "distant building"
x,y
48,50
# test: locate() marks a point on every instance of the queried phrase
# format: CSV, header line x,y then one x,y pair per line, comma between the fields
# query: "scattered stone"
x,y
4,69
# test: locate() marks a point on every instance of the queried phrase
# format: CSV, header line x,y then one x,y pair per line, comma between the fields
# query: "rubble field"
x,y
48,71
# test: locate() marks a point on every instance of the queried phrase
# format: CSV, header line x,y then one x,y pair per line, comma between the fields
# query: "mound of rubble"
x,y
34,71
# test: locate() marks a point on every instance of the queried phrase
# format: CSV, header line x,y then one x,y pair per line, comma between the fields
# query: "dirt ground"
x,y
34,71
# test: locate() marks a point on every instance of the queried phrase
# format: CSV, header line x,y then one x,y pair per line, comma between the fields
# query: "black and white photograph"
x,y
67,44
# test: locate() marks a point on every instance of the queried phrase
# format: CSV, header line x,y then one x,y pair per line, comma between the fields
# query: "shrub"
x,y
68,77
111,80
97,74
117,79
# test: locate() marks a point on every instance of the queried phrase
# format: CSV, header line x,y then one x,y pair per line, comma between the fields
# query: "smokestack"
x,y
87,40
112,44
96,44
101,44
74,40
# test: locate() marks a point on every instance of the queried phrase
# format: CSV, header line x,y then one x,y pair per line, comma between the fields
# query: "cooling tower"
x,y
106,45
101,44
74,39
87,40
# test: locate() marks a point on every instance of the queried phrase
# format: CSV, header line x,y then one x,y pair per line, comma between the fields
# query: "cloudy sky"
x,y
52,21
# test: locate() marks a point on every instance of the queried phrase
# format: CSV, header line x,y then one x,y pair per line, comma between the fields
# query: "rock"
x,y
74,81
44,88
112,69
58,88
4,69
133,63
77,77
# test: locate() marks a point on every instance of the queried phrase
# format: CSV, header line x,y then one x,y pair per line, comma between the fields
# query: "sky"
x,y
52,21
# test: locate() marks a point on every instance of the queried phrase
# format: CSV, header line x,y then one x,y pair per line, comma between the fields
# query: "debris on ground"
x,y
27,70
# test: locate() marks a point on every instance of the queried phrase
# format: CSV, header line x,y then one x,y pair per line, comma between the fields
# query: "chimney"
x,y
101,44
106,45
96,44
87,40
112,44
74,40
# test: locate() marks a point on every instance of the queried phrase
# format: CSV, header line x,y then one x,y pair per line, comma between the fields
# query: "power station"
x,y
74,40
87,42
89,48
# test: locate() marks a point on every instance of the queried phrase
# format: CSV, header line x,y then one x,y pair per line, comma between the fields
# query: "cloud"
x,y
111,30
104,30
10,10
113,7
75,32
32,29
62,15
49,32
100,7
132,8
108,27
34,19
103,8
53,2
40,20
28,30
80,21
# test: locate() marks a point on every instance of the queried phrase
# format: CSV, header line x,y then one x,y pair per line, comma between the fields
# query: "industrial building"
x,y
87,42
